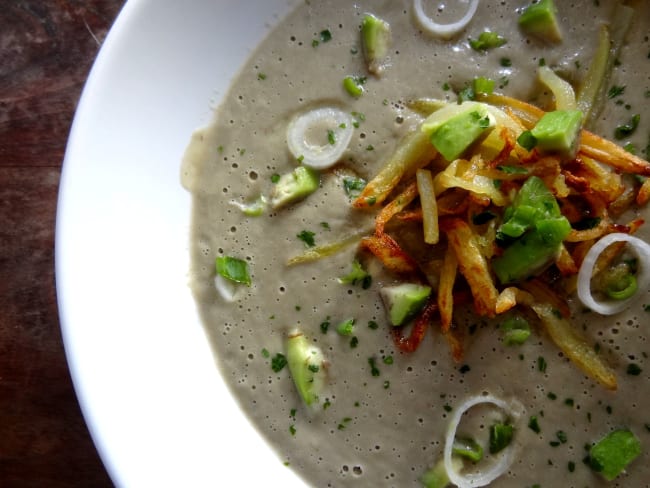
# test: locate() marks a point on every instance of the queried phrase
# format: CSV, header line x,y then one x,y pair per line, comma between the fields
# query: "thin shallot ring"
x,y
506,458
443,30
314,155
642,251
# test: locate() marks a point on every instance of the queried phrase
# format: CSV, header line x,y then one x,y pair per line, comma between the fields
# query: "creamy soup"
x,y
383,414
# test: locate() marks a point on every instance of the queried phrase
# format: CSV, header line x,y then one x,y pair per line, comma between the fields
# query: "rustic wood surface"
x,y
46,51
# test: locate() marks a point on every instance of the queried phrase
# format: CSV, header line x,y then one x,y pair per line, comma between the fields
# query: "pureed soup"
x,y
309,346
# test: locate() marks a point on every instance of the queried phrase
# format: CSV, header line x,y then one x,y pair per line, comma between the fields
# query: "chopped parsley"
x,y
533,424
500,437
541,364
324,326
353,186
373,366
307,237
615,91
633,369
331,137
278,362
625,130
344,423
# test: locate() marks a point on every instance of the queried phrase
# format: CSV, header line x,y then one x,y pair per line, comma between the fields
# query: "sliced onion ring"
x,y
443,30
319,156
514,409
642,251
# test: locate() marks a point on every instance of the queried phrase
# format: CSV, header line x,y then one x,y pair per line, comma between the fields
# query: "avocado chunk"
x,y
306,364
537,226
532,252
375,39
295,186
612,454
558,131
452,137
404,300
539,20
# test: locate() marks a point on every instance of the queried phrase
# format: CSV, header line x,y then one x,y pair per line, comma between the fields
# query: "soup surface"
x,y
383,415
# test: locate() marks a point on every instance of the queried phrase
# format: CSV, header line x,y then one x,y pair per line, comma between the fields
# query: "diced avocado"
x,y
558,131
532,252
455,135
521,219
403,301
535,221
295,186
306,366
375,39
535,193
533,202
611,455
540,20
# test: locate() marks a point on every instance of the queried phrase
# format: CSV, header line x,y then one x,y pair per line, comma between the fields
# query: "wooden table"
x,y
46,51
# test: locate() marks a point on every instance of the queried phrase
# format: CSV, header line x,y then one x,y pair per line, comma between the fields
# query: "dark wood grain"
x,y
46,51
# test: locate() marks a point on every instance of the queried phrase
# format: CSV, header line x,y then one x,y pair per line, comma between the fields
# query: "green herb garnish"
x,y
500,437
233,269
487,40
278,362
307,237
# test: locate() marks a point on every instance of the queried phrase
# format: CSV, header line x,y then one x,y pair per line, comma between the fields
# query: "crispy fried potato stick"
x,y
418,329
544,293
389,252
606,183
526,113
612,154
565,262
574,346
429,206
512,296
589,234
455,340
453,202
446,288
394,207
472,265
414,151
644,193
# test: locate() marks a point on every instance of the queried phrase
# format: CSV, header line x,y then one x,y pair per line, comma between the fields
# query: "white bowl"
x,y
143,370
